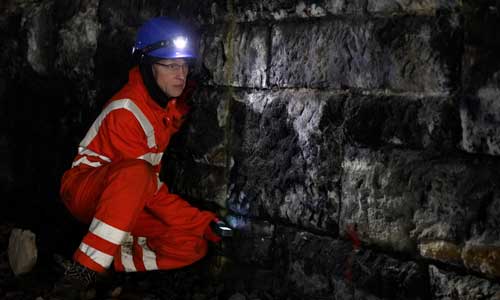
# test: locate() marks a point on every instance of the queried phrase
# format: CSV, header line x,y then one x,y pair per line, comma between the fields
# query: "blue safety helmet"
x,y
163,38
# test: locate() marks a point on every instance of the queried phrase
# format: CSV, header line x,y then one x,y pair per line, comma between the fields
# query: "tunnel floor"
x,y
196,282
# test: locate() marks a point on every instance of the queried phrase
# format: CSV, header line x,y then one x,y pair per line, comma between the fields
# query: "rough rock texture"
x,y
254,242
196,159
411,122
448,207
449,285
266,162
276,171
481,78
39,22
237,55
401,54
23,252
321,266
351,144
78,43
250,11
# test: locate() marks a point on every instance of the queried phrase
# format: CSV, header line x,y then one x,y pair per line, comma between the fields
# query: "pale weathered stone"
x,y
39,24
264,157
272,152
78,43
421,7
237,55
237,296
480,114
398,199
481,78
441,250
253,11
482,258
401,55
22,251
287,156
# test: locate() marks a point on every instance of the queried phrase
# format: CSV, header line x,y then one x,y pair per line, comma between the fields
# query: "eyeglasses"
x,y
174,67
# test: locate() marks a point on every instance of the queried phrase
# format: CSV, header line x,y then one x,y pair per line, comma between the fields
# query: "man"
x,y
136,224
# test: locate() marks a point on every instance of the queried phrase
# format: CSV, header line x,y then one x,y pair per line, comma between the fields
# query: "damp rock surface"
x,y
449,285
352,145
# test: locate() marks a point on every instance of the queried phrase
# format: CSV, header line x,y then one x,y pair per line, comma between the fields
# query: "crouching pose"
x,y
135,223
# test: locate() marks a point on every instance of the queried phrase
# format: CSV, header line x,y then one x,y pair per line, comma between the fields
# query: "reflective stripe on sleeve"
x,y
107,232
148,255
119,104
99,257
152,158
85,151
84,160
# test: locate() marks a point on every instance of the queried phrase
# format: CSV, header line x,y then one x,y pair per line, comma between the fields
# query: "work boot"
x,y
76,284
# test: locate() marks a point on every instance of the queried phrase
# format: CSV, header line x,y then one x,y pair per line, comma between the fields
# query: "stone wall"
x,y
352,144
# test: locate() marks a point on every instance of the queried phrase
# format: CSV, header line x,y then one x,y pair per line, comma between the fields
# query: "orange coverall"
x,y
113,185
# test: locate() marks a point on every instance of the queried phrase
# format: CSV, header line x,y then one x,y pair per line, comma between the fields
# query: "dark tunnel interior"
x,y
352,146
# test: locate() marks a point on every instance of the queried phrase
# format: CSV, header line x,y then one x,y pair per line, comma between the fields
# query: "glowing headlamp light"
x,y
180,42
177,44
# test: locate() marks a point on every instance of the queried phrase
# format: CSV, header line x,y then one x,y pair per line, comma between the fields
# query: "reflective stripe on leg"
x,y
148,255
97,256
126,255
107,232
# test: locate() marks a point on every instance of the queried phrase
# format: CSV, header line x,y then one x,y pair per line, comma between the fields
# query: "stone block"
x,y
22,251
194,181
287,153
444,251
311,261
204,132
480,114
420,7
347,291
39,24
482,258
236,54
251,11
400,199
319,266
411,122
448,285
481,78
196,163
389,278
77,43
400,54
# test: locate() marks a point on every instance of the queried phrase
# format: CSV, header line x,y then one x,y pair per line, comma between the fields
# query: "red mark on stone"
x,y
353,236
356,245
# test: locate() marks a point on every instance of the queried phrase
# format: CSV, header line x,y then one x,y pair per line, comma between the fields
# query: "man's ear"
x,y
153,71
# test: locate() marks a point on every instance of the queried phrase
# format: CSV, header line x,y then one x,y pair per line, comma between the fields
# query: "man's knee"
x,y
178,252
136,171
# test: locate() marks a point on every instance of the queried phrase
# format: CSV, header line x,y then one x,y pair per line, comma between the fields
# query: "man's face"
x,y
170,75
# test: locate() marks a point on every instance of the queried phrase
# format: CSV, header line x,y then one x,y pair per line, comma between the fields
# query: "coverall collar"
x,y
137,81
